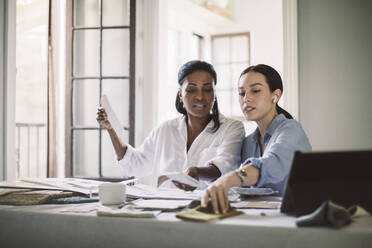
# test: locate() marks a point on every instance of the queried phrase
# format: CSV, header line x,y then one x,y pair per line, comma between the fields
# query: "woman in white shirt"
x,y
202,142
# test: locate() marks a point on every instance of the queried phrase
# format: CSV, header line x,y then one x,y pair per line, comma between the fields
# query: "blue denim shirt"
x,y
275,163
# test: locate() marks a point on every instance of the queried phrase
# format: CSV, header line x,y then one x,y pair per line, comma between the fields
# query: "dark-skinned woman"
x,y
201,142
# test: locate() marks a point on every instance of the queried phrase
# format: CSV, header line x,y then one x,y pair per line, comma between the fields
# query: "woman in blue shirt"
x,y
268,152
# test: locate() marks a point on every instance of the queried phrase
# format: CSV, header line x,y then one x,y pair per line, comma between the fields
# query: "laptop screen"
x,y
342,177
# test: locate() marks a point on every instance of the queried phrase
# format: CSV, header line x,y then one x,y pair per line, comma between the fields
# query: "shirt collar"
x,y
270,131
182,127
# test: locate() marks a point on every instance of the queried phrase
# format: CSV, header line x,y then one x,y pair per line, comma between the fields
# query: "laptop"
x,y
342,177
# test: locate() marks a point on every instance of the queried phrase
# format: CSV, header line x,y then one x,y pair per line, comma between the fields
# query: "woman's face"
x,y
197,94
255,97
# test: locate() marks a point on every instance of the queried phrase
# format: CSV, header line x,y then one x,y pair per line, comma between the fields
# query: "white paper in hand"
x,y
186,179
113,119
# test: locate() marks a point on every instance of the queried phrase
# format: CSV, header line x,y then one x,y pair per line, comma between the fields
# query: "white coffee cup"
x,y
111,193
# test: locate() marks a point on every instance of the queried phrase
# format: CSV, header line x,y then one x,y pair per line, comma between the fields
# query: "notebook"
x,y
343,177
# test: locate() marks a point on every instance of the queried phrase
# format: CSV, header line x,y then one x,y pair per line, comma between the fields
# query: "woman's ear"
x,y
180,95
276,95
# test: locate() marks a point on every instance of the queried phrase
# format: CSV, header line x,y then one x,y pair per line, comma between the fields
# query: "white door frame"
x,y
7,86
290,57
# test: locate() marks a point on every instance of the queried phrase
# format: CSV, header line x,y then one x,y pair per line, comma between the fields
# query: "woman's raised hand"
x,y
102,118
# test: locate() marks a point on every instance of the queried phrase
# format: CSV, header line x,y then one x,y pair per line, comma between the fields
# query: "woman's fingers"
x,y
205,198
221,199
214,200
227,203
102,118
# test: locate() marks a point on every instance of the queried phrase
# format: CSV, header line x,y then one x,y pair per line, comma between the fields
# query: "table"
x,y
46,226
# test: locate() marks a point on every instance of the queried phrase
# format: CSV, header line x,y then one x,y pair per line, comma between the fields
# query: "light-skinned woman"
x,y
202,142
268,152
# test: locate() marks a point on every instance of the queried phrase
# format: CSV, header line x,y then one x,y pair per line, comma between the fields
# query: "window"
x,y
230,56
100,60
31,87
183,46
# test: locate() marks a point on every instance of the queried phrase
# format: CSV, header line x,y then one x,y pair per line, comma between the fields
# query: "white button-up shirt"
x,y
164,150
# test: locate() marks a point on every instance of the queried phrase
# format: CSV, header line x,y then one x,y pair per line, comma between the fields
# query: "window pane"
x,y
221,50
85,153
195,43
31,140
110,167
224,102
117,91
224,77
236,111
86,13
237,69
239,48
115,13
86,53
115,52
85,102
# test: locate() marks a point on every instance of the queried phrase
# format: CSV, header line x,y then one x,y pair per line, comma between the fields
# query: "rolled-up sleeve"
x,y
138,161
228,152
276,162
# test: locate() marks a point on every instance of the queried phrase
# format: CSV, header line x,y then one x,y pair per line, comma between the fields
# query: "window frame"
x,y
69,127
230,35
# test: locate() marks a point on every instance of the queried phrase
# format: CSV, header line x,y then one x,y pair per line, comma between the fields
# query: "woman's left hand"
x,y
192,172
217,192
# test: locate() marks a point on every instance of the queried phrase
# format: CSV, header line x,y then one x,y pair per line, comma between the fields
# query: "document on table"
x,y
83,186
257,204
150,192
160,204
186,179
111,116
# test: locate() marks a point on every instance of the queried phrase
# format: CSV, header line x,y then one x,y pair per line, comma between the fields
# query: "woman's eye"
x,y
242,94
256,91
190,90
208,90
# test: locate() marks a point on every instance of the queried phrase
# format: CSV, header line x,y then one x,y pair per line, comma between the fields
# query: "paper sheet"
x,y
72,184
257,204
126,211
149,192
111,116
79,208
186,179
160,204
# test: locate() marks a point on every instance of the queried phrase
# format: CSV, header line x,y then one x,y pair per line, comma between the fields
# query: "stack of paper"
x,y
78,185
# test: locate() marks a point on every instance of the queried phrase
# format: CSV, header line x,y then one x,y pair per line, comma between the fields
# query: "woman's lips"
x,y
199,106
249,109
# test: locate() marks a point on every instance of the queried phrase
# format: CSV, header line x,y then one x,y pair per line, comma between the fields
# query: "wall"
x,y
335,54
265,22
263,19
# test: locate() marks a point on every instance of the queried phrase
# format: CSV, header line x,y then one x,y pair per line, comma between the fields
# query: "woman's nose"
x,y
247,97
199,95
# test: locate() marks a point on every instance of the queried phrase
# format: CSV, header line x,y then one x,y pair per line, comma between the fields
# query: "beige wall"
x,y
335,63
